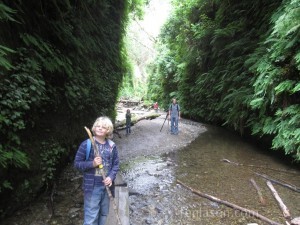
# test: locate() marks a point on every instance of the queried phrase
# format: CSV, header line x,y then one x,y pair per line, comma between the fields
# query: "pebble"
x,y
73,210
149,221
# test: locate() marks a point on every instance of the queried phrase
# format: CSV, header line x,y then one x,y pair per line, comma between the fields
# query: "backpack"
x,y
88,149
176,106
89,145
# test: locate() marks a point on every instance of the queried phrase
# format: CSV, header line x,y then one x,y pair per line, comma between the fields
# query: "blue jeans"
x,y
96,206
128,130
174,125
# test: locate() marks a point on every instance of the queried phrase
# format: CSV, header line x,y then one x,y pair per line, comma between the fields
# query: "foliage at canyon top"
x,y
234,63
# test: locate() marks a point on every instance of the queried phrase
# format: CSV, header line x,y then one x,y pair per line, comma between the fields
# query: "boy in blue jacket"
x,y
96,199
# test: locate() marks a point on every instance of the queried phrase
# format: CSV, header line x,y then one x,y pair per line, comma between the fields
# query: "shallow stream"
x,y
157,198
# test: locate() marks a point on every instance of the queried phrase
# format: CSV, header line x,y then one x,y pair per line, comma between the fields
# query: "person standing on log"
x,y
174,115
96,199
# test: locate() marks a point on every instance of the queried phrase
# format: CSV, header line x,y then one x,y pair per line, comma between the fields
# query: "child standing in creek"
x,y
96,199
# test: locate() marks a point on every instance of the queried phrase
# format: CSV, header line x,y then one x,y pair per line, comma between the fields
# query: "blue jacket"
x,y
110,160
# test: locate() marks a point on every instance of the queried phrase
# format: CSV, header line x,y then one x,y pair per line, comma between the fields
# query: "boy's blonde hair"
x,y
105,122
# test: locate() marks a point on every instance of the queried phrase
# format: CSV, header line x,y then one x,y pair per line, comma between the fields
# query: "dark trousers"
x,y
128,130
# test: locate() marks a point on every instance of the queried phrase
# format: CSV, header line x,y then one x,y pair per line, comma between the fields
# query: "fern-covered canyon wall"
x,y
61,63
234,63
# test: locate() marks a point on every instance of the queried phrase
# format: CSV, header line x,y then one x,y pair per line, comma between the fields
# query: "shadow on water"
x,y
156,198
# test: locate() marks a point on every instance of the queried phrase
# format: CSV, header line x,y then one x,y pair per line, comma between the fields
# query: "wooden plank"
x,y
124,205
261,197
122,201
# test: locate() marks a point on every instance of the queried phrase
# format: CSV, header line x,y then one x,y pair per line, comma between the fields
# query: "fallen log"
x,y
231,205
122,124
292,187
136,102
284,209
260,167
261,198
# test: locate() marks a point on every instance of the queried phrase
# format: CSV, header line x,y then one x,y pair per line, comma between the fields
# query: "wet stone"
x,y
74,210
158,209
149,221
170,164
133,192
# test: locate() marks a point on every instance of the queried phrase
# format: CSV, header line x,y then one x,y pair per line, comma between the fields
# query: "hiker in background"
x,y
174,115
155,106
128,122
96,199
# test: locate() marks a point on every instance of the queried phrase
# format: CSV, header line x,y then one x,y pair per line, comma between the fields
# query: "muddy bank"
x,y
67,205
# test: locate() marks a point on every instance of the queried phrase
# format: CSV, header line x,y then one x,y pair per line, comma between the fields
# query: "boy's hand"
x,y
97,161
107,181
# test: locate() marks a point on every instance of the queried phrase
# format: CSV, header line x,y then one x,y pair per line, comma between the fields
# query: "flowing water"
x,y
157,198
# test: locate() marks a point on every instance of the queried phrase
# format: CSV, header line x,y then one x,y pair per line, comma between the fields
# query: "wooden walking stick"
x,y
164,123
103,174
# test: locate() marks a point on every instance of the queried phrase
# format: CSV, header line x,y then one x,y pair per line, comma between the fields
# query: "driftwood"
x,y
261,198
295,221
261,167
231,205
292,187
284,209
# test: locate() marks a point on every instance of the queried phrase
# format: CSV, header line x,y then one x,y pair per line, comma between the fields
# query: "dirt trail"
x,y
146,138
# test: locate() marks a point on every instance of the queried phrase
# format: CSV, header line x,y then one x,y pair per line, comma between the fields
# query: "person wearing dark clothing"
x,y
128,122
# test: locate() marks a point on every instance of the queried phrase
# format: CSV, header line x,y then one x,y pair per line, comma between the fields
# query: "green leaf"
x,y
284,86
